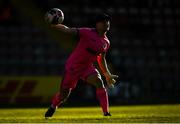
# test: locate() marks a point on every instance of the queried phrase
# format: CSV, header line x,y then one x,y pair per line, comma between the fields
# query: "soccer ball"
x,y
54,16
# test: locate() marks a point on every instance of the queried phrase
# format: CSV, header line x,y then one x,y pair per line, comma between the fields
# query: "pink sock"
x,y
102,96
56,100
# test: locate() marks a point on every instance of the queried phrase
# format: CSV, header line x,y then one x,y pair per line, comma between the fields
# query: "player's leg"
x,y
58,99
101,92
68,83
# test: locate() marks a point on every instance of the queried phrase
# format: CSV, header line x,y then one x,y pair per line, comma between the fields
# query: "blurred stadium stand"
x,y
144,51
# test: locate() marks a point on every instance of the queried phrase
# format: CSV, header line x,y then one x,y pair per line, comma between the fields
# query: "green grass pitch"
x,y
120,114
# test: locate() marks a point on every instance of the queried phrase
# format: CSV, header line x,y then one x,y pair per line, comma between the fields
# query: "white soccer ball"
x,y
54,16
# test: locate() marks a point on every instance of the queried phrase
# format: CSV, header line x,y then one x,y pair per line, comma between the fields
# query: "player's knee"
x,y
96,81
99,83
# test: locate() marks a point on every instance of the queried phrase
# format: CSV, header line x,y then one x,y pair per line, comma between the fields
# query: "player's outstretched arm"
x,y
110,78
65,29
65,33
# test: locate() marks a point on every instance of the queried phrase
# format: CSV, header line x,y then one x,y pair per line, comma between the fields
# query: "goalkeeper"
x,y
92,47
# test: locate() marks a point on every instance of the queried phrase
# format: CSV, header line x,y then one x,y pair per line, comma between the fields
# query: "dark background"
x,y
144,49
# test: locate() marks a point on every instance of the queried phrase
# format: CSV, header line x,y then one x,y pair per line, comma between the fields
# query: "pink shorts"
x,y
71,77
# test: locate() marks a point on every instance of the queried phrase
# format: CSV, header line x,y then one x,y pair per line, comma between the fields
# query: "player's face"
x,y
103,26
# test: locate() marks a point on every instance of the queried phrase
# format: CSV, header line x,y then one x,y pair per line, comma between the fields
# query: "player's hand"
x,y
110,78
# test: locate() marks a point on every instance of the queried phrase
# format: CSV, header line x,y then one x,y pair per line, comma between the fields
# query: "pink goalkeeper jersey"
x,y
90,45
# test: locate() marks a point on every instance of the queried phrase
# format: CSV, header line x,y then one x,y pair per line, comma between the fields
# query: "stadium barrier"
x,y
22,90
